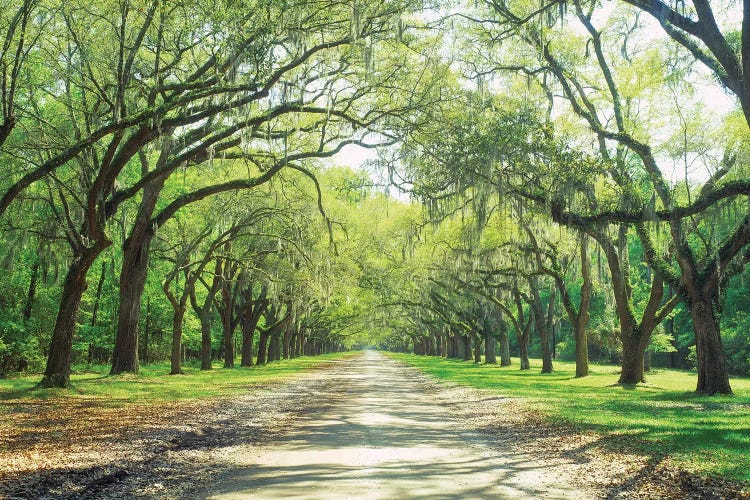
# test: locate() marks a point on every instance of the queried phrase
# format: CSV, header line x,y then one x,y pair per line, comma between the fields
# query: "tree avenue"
x,y
541,181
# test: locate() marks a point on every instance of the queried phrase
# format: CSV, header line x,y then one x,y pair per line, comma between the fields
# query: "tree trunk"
x,y
293,341
228,340
546,351
523,348
57,372
490,357
477,349
713,377
285,341
274,347
450,346
466,348
248,337
176,357
582,350
541,324
632,355
430,344
504,345
299,343
262,348
132,283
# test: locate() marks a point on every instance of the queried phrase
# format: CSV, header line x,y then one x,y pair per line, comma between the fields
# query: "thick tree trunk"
x,y
633,348
430,351
57,372
274,347
176,356
135,255
546,351
132,284
490,357
451,350
466,347
713,376
477,348
248,337
262,348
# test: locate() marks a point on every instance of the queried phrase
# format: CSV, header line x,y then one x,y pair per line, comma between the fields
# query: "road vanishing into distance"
x,y
381,435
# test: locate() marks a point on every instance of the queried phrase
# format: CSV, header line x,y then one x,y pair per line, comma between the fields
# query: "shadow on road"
x,y
380,437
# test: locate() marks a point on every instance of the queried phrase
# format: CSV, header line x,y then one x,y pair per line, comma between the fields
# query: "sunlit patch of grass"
x,y
709,435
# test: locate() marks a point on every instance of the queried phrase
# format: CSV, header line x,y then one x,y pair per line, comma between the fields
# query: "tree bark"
x,y
582,350
540,322
713,376
490,357
133,274
274,347
206,341
466,347
523,348
262,348
176,356
252,311
285,340
204,314
57,372
504,343
248,337
228,340
632,356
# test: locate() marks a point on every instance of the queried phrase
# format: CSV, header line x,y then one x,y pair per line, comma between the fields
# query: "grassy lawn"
x,y
153,384
708,435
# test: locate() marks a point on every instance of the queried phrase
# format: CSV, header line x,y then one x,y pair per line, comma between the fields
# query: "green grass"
x,y
707,435
154,383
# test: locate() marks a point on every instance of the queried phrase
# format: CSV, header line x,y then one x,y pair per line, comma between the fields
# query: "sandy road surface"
x,y
363,426
381,436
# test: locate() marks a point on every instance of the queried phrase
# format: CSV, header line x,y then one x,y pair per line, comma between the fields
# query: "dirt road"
x,y
361,427
383,437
